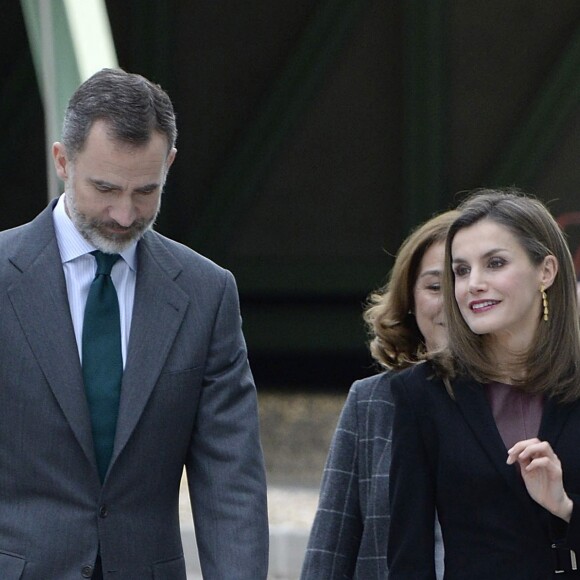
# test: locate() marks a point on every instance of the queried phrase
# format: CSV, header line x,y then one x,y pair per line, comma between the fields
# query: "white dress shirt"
x,y
80,269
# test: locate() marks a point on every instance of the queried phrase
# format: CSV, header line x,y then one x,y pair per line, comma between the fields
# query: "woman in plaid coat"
x,y
350,531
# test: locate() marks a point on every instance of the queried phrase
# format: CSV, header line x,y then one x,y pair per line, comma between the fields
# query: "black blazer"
x,y
448,455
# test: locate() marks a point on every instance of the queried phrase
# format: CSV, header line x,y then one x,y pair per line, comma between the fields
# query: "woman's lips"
x,y
482,305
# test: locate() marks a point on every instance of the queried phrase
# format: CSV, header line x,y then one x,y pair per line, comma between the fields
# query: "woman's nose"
x,y
476,281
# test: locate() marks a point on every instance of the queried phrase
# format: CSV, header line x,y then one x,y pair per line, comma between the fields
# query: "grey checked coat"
x,y
350,531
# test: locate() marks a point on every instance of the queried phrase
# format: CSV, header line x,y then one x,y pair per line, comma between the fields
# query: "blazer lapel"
x,y
475,409
40,302
554,418
158,311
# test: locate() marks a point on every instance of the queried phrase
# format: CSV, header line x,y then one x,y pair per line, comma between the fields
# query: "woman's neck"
x,y
508,358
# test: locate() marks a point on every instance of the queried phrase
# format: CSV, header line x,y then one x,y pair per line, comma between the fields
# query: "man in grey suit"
x,y
91,460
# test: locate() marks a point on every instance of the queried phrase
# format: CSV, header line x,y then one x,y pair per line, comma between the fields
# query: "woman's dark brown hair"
x,y
551,363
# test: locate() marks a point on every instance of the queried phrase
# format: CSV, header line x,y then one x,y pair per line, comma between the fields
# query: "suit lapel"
x,y
40,302
158,311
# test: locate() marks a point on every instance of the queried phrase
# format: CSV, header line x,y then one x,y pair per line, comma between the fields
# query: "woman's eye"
x,y
434,287
460,271
496,263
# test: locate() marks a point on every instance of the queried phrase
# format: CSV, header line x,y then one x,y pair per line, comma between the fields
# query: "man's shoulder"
x,y
185,255
9,236
35,224
26,240
188,268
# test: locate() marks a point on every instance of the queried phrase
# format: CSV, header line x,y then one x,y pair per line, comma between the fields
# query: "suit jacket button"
x,y
103,511
87,571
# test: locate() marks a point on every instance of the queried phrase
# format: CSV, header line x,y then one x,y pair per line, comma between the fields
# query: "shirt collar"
x,y
71,243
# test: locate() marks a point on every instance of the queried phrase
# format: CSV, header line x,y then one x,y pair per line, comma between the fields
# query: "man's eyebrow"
x,y
147,188
102,183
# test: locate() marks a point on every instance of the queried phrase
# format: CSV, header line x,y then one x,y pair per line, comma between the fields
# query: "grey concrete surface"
x,y
296,429
291,511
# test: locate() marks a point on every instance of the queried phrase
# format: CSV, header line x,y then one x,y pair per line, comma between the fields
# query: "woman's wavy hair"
x,y
550,365
395,339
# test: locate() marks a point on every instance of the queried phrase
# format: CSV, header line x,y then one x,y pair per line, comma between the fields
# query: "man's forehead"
x,y
104,132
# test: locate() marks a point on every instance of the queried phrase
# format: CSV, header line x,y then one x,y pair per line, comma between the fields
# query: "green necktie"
x,y
102,359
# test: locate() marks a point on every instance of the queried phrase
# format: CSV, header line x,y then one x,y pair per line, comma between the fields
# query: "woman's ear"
x,y
549,269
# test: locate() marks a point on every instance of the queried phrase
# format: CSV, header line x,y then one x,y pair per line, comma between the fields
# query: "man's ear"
x,y
170,158
61,161
549,271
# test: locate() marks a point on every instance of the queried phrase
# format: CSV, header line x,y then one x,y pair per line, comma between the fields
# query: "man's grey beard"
x,y
93,231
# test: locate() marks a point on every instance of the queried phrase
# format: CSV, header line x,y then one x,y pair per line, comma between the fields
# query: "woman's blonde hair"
x,y
396,341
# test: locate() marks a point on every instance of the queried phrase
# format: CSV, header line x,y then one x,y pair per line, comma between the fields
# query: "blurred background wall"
x,y
315,134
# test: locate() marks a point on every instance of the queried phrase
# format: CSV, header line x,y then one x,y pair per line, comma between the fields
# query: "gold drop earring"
x,y
544,302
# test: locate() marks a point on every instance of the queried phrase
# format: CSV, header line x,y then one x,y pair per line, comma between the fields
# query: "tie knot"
x,y
104,262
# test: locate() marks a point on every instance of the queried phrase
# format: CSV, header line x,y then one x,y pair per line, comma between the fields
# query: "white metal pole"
x,y
51,124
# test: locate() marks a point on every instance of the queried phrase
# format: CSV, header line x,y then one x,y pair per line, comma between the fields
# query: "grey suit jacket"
x,y
187,398
350,532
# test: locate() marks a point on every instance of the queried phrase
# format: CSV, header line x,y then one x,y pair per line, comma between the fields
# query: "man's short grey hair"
x,y
132,106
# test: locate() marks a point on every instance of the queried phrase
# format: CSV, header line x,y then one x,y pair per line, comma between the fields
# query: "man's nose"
x,y
123,211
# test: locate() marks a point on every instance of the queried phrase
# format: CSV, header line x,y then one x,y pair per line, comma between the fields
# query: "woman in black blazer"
x,y
349,535
488,432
